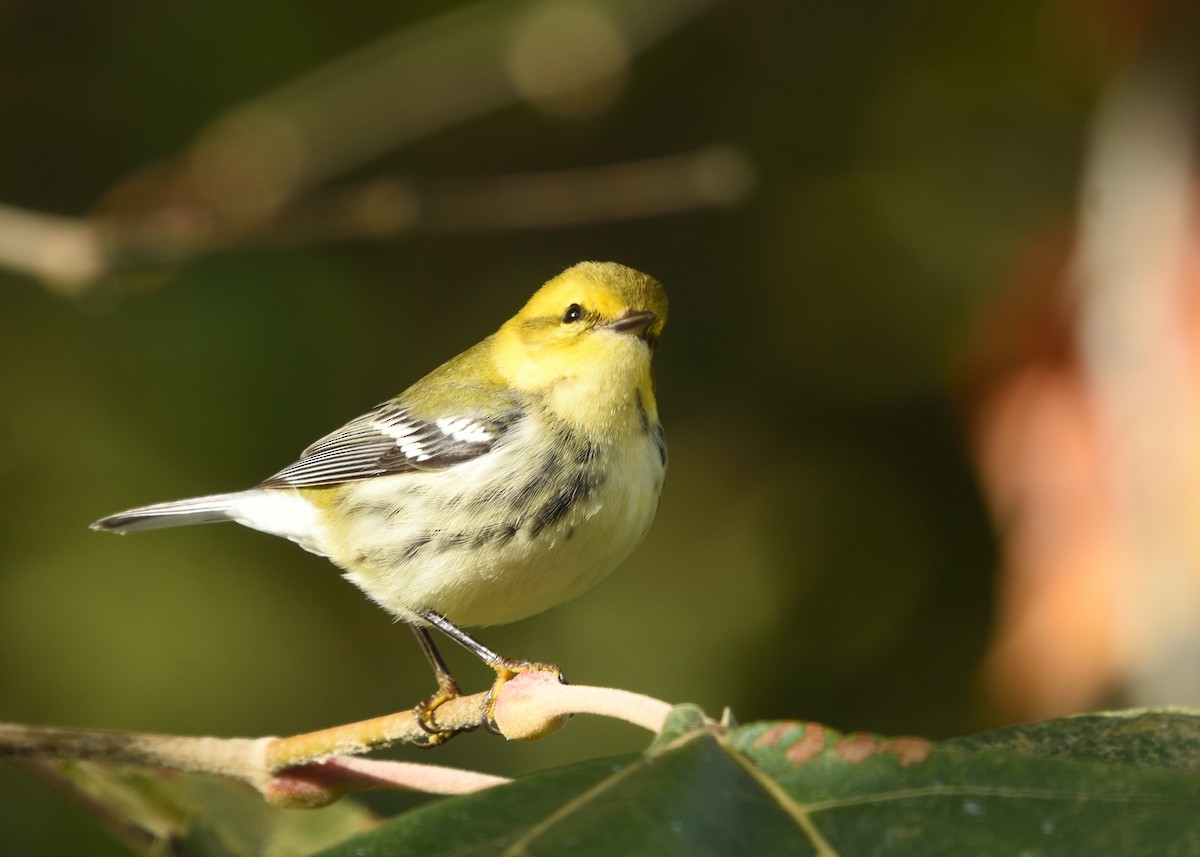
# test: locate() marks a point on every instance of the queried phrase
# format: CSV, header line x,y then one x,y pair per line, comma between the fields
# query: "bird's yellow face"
x,y
584,340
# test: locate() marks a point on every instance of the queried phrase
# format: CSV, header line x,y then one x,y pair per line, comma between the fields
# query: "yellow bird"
x,y
506,481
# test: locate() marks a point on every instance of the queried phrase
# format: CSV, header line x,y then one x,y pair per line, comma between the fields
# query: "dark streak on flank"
x,y
561,504
641,408
450,541
481,499
376,512
415,547
544,477
499,532
357,507
553,511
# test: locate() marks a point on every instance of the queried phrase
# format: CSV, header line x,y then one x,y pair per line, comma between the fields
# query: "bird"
x,y
508,480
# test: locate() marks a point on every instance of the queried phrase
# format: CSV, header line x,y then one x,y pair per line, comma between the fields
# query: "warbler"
x,y
509,479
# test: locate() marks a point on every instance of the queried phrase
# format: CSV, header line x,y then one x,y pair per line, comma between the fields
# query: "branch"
x,y
70,254
259,173
65,253
318,768
564,57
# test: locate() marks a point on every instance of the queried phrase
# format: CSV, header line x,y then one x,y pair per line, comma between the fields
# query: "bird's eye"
x,y
574,313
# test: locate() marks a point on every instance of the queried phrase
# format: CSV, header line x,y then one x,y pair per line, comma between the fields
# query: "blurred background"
x,y
929,380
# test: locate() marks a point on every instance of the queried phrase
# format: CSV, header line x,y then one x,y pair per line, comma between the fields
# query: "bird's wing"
x,y
391,439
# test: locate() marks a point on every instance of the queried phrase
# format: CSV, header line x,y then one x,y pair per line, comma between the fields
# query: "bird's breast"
x,y
505,536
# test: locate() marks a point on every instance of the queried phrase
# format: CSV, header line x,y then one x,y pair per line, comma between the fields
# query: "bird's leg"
x,y
506,668
447,690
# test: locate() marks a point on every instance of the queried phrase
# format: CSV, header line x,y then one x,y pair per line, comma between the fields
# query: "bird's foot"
x,y
425,710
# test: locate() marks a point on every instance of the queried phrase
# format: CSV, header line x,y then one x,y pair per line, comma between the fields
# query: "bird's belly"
x,y
530,546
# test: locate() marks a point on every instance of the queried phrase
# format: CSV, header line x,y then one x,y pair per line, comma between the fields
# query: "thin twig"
x,y
259,173
70,254
415,83
317,768
241,758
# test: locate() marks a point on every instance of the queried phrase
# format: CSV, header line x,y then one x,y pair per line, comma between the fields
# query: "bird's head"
x,y
584,341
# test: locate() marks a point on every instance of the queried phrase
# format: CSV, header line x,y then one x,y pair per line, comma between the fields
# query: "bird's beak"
x,y
634,323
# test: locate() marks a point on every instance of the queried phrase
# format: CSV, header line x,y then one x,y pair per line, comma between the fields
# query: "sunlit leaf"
x,y
1096,784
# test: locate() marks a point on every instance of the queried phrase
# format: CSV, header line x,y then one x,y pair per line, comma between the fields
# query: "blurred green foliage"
x,y
821,551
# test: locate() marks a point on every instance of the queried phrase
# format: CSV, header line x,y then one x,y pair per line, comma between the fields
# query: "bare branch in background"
x,y
418,82
259,174
64,252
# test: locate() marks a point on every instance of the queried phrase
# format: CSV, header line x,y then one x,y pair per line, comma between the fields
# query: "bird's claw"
x,y
425,710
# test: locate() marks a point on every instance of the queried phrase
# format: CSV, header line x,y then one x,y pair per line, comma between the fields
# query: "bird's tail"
x,y
178,513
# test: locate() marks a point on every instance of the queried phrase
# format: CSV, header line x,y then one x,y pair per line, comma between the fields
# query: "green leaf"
x,y
682,720
1111,784
201,815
